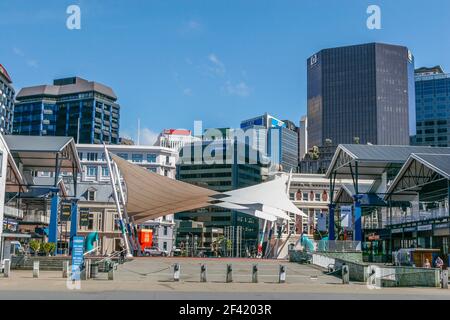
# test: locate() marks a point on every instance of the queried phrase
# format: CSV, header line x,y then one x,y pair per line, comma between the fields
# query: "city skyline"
x,y
219,68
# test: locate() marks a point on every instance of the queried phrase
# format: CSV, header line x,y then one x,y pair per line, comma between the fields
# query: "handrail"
x,y
86,253
113,255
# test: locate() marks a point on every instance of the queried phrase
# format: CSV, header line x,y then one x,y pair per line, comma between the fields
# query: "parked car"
x,y
155,252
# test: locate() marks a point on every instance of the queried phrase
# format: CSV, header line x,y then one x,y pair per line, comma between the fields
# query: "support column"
x,y
331,227
331,208
73,221
358,224
53,227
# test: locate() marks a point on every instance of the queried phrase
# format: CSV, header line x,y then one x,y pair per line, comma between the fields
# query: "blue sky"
x,y
220,61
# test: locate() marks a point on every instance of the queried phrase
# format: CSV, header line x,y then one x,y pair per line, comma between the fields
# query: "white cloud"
x,y
32,63
187,92
216,67
147,137
240,89
20,53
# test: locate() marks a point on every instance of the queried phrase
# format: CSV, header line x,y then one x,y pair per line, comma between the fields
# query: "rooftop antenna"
x,y
139,132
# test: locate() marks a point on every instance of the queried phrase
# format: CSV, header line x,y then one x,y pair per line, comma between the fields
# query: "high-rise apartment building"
x,y
432,107
275,138
75,107
6,102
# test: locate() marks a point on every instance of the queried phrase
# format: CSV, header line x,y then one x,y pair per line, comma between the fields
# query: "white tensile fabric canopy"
x,y
150,196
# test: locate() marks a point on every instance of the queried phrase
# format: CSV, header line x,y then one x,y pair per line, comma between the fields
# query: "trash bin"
x,y
94,270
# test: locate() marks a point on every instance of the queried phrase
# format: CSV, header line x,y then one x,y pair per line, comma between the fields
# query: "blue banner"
x,y
77,257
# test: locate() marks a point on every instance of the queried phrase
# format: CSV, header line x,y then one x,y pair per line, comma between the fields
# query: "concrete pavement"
x,y
151,278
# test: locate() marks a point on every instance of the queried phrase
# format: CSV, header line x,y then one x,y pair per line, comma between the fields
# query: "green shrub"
x,y
35,245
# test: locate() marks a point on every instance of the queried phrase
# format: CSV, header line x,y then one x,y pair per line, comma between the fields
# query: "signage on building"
x,y
313,60
427,227
77,256
398,230
410,229
442,226
84,217
373,237
322,222
346,216
65,212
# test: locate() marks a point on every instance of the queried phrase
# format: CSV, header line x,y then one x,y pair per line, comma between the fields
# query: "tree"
x,y
35,245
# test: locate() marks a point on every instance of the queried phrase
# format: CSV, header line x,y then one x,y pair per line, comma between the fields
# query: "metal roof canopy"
x,y
419,172
347,191
373,160
43,153
15,182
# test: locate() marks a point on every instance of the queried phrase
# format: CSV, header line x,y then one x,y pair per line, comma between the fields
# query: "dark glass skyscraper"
x,y
432,107
73,107
361,91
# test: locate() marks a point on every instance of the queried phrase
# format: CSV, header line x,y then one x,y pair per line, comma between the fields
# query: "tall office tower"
x,y
432,107
6,102
73,107
275,138
362,93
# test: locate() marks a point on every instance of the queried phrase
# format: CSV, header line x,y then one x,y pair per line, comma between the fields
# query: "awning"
x,y
270,194
150,196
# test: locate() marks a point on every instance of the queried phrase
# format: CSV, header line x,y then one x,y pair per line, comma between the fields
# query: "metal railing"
x,y
329,246
418,216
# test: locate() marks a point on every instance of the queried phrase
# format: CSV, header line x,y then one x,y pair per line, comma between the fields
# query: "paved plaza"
x,y
152,278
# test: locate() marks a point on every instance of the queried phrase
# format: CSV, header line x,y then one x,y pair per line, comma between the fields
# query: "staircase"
x,y
45,263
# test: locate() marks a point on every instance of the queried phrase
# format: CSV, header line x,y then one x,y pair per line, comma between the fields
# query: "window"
x,y
92,171
137,157
165,246
305,196
165,231
91,221
91,195
80,155
105,172
292,196
123,155
151,157
166,173
92,156
317,197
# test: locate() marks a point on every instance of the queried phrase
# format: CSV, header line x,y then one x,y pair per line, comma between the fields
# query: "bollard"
x,y
7,268
36,269
111,272
84,274
176,272
229,277
282,274
203,273
444,279
65,269
345,274
255,273
94,270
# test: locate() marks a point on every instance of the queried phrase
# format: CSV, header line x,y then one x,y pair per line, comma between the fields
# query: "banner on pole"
x,y
346,217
